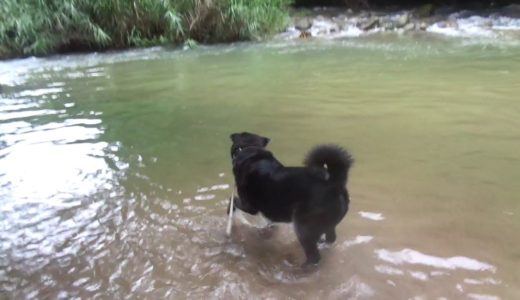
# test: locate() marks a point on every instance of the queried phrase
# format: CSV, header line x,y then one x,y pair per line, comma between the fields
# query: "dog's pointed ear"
x,y
265,141
234,137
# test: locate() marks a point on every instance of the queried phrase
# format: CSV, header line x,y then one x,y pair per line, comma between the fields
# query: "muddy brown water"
x,y
114,170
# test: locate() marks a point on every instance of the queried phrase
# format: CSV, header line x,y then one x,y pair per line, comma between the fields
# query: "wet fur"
x,y
314,197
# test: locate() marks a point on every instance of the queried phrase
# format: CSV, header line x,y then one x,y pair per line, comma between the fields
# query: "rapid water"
x,y
115,170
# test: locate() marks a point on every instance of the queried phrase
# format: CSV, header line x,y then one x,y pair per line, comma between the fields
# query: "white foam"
x,y
409,256
482,297
483,281
371,215
213,188
389,270
360,239
419,275
204,197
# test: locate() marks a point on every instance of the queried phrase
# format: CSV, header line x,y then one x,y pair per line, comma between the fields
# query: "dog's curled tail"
x,y
336,159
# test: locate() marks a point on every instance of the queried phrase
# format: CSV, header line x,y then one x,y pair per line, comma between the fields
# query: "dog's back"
x,y
281,193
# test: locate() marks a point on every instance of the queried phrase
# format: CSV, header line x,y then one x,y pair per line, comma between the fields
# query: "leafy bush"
x,y
37,27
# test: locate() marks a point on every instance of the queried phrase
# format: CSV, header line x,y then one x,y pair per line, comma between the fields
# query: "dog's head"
x,y
246,140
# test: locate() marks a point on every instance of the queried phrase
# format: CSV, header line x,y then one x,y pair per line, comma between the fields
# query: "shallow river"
x,y
115,169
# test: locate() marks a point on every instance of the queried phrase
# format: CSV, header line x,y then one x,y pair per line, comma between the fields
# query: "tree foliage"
x,y
37,27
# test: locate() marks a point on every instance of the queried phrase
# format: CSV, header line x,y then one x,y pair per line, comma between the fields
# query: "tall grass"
x,y
38,27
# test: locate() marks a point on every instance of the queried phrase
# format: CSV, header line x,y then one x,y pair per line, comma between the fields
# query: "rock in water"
x,y
402,20
409,27
448,24
388,23
303,24
370,24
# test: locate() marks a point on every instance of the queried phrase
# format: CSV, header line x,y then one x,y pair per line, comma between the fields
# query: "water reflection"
x,y
54,173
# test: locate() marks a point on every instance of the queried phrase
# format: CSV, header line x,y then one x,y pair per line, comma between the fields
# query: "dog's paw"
x,y
323,244
309,267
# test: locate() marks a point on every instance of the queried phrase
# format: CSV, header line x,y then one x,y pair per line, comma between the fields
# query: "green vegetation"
x,y
39,27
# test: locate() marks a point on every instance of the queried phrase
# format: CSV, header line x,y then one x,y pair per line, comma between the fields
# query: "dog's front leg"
x,y
244,206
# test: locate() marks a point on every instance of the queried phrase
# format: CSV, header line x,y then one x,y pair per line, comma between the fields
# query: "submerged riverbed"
x,y
115,169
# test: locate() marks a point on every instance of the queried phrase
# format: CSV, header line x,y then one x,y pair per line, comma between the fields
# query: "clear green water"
x,y
114,170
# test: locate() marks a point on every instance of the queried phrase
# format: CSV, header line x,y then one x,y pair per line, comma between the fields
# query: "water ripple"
x,y
112,182
409,256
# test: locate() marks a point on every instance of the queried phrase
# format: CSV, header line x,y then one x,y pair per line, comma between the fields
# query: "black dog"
x,y
314,197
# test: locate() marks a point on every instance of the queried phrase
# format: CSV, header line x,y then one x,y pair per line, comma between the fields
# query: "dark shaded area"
x,y
474,4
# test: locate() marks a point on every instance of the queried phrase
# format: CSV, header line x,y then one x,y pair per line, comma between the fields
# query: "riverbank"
x,y
443,20
60,27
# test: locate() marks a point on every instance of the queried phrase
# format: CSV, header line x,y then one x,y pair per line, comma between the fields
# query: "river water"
x,y
115,169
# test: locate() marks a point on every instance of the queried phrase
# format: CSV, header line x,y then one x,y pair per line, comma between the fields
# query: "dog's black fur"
x,y
314,197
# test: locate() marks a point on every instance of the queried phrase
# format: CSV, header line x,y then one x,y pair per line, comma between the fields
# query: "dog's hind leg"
x,y
308,238
330,236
